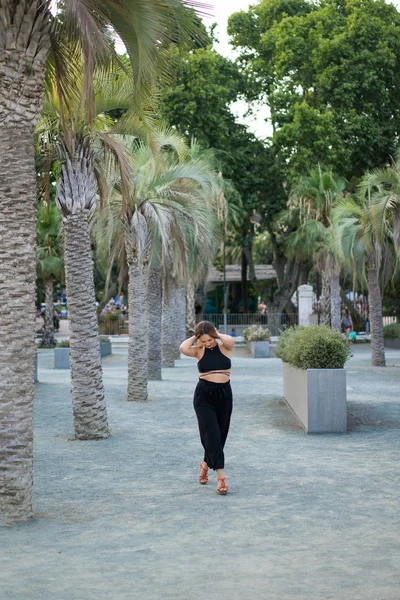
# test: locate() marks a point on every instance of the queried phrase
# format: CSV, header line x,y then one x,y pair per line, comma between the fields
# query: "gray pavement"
x,y
306,517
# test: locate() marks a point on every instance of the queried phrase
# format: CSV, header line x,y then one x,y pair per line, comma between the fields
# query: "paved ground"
x,y
306,518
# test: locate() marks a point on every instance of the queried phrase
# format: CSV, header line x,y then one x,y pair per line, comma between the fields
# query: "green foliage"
x,y
327,71
256,333
198,104
392,330
314,347
63,344
49,249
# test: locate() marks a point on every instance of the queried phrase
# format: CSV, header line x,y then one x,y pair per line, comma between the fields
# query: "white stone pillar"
x,y
306,295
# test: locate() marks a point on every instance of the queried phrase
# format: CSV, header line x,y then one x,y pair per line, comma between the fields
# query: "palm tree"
x,y
314,196
50,265
171,195
86,155
368,258
384,187
31,38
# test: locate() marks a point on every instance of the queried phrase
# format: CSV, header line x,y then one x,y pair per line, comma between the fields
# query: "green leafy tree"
x,y
198,104
327,72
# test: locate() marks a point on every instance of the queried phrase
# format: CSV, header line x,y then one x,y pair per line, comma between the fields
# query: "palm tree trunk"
x,y
88,401
154,320
169,329
190,309
325,318
17,322
375,316
48,333
137,349
335,300
21,97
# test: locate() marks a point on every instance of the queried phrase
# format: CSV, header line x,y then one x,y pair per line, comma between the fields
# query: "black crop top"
x,y
213,360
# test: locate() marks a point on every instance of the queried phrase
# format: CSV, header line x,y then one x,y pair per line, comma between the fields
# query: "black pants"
x,y
213,405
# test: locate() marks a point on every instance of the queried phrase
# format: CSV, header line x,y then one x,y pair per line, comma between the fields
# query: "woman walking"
x,y
213,396
347,323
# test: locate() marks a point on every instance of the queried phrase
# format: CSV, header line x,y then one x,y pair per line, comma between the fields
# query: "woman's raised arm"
x,y
187,347
227,340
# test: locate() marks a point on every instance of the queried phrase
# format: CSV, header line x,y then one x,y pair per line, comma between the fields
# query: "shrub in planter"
x,y
257,339
256,333
313,347
392,331
61,355
391,334
63,344
314,380
105,345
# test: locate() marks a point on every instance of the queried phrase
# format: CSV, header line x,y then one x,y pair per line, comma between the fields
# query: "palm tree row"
x,y
36,45
357,234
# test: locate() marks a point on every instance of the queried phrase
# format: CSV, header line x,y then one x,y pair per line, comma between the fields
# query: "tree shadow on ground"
x,y
382,415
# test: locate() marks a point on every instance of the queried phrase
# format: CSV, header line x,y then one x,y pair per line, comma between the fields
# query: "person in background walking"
x,y
347,323
213,396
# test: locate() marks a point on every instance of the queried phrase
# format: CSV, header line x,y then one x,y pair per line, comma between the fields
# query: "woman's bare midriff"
x,y
220,377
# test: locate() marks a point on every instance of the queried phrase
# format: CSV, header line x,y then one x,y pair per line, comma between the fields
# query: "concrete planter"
x,y
392,343
259,349
317,397
61,358
105,349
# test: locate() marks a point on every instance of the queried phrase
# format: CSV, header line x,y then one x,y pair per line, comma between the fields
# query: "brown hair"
x,y
205,328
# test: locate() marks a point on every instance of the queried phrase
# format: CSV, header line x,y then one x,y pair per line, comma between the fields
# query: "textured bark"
x,y
288,272
335,301
325,315
154,321
375,314
137,349
24,45
88,401
169,324
48,338
190,309
17,322
252,269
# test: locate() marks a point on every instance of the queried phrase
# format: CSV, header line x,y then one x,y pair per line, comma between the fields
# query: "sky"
x,y
221,10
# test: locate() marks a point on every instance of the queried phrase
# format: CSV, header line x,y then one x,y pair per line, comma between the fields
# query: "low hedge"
x,y
313,347
63,344
392,331
256,333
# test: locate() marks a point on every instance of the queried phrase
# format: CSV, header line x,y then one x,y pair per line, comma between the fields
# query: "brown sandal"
x,y
222,489
203,477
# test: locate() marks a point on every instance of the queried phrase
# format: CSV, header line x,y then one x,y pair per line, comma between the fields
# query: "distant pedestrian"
x,y
233,332
213,396
347,323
